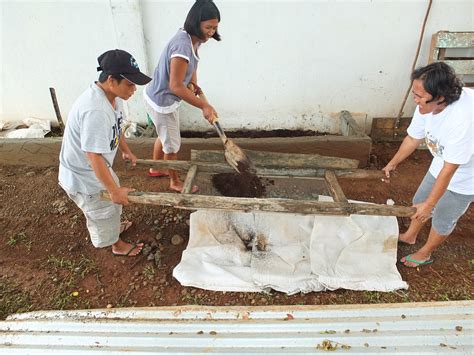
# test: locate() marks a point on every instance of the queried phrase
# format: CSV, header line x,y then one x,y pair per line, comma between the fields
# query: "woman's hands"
x,y
209,113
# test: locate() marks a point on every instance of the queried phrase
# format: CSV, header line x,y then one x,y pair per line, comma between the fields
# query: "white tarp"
x,y
36,128
236,251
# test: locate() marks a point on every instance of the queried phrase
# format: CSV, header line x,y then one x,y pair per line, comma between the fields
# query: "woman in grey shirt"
x,y
175,71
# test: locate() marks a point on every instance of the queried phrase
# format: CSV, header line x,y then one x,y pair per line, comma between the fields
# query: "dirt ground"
x,y
48,262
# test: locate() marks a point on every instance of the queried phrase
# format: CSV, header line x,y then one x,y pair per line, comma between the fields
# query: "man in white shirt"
x,y
444,120
93,134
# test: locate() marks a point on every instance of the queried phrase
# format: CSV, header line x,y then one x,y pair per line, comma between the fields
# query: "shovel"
x,y
232,152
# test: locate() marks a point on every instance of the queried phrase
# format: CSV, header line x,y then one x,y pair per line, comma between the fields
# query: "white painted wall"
x,y
281,64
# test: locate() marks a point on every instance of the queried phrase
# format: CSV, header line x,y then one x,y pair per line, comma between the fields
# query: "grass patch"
x,y
81,267
149,272
13,299
124,300
194,299
19,238
372,297
65,294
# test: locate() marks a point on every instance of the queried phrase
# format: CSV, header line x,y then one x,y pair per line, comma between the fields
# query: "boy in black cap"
x,y
93,134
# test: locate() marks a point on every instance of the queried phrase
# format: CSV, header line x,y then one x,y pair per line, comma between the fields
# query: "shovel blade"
x,y
237,158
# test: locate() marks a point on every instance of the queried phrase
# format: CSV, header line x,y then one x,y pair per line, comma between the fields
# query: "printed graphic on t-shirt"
x,y
116,133
433,145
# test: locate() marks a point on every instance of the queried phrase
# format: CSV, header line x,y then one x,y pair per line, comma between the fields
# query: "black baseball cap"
x,y
120,62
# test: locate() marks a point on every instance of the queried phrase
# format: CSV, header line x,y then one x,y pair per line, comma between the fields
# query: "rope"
x,y
400,113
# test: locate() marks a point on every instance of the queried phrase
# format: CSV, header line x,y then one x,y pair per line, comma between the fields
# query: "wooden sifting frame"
x,y
269,165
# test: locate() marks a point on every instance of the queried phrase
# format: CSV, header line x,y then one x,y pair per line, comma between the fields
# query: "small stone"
x,y
158,259
30,173
155,222
109,306
177,239
159,236
146,250
155,288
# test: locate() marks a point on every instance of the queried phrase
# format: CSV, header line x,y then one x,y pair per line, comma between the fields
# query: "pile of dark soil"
x,y
238,185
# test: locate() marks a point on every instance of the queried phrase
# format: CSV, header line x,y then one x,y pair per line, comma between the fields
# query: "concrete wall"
x,y
281,64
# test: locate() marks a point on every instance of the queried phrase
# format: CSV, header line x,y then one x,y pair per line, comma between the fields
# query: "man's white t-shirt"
x,y
449,136
93,125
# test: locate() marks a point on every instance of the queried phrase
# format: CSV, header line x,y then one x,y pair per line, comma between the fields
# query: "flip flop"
x,y
416,262
157,174
125,225
193,190
132,248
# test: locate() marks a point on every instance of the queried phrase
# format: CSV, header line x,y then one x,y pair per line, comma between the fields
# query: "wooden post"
x,y
56,109
333,186
188,183
195,202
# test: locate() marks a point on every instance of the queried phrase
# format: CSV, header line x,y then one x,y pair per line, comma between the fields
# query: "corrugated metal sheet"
x,y
434,327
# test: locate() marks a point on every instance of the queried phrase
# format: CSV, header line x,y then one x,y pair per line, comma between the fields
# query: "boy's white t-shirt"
x,y
93,125
449,136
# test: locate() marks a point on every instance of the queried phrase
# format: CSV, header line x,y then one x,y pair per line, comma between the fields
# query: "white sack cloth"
x,y
37,128
236,251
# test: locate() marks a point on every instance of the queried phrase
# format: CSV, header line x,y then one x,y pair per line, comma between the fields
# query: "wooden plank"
x,y
217,168
461,67
333,187
188,183
434,50
195,202
446,39
278,160
383,128
349,126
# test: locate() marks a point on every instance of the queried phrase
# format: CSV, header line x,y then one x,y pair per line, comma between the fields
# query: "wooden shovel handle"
x,y
203,98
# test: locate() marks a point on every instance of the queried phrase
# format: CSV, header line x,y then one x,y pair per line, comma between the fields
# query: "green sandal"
x,y
416,262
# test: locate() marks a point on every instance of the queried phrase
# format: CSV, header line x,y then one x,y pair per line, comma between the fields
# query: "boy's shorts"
x,y
103,218
449,208
167,128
